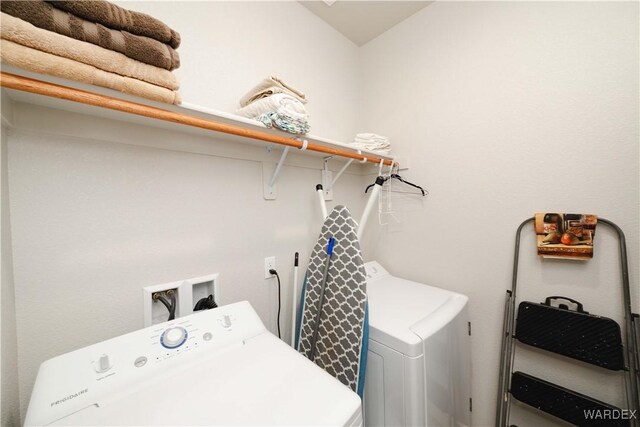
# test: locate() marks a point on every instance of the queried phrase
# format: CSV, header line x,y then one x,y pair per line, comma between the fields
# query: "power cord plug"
x,y
273,272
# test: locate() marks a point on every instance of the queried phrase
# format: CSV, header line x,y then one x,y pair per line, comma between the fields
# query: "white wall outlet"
x,y
188,293
269,263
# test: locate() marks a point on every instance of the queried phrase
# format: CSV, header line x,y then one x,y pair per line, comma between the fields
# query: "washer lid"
x,y
402,313
263,382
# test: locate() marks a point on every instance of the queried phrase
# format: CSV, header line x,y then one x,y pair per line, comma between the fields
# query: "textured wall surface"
x,y
505,109
9,403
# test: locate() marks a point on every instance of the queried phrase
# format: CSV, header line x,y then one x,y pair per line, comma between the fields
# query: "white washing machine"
x,y
218,367
418,364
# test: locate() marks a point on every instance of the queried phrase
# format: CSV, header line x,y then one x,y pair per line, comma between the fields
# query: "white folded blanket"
x,y
372,147
280,103
371,137
372,142
270,86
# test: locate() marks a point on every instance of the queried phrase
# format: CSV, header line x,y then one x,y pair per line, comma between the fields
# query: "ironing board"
x,y
342,337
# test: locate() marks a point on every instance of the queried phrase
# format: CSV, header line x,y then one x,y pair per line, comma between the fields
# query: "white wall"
x,y
98,213
505,109
9,401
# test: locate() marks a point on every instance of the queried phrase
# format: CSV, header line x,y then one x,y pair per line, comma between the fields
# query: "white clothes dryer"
x,y
418,363
216,367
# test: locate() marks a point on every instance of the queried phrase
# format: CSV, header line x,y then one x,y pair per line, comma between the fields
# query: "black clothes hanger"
x,y
399,178
411,184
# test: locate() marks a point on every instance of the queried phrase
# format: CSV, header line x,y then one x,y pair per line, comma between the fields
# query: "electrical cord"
x,y
275,273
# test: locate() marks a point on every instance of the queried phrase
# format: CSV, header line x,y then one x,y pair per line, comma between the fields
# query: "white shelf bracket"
x,y
269,183
272,182
327,180
344,168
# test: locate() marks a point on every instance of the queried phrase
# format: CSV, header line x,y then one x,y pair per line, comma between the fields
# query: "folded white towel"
x,y
372,142
372,147
371,136
280,103
270,86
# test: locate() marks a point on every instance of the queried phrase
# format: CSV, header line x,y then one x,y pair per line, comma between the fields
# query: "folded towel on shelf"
x,y
271,86
46,63
118,18
372,142
22,32
370,137
284,122
280,103
45,16
373,148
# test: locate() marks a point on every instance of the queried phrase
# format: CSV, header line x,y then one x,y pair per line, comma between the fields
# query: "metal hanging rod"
x,y
13,81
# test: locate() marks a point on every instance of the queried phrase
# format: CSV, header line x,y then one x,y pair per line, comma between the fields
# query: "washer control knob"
x,y
173,337
226,321
103,364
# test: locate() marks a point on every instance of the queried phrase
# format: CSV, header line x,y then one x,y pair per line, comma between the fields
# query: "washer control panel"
x,y
75,380
174,337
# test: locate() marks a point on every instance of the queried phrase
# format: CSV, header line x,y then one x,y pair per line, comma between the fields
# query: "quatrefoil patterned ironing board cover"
x,y
343,328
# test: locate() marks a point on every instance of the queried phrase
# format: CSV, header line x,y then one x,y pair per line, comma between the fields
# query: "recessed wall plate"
x,y
188,292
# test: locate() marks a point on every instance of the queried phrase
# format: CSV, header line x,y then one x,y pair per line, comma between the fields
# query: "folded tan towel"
x,y
269,86
117,18
46,63
43,15
21,32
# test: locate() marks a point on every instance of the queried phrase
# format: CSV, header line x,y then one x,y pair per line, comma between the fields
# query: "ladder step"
x,y
592,339
575,408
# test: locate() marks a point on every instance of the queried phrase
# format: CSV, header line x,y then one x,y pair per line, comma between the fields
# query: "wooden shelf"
x,y
56,93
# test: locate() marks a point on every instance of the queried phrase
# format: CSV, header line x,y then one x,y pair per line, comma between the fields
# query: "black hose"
x,y
171,306
205,304
172,312
164,301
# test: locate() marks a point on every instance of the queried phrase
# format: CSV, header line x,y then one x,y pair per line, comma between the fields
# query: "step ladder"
x,y
561,325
